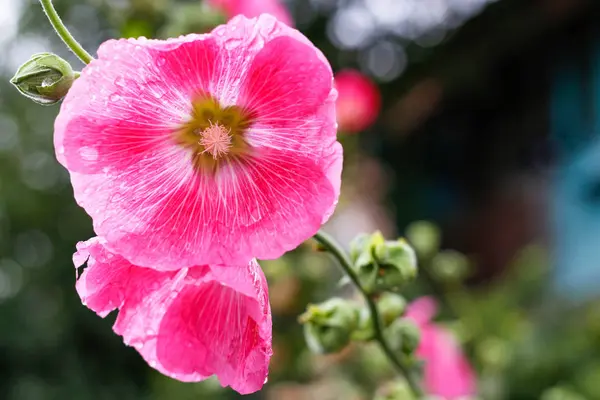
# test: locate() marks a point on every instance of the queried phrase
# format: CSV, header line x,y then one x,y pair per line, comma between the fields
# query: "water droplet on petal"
x,y
114,97
231,44
120,81
88,153
160,61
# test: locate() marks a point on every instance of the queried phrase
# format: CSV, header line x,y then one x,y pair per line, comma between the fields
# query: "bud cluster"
x,y
381,267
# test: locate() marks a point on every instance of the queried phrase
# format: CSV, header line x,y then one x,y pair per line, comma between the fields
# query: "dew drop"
x,y
114,97
47,82
232,44
88,153
120,81
160,61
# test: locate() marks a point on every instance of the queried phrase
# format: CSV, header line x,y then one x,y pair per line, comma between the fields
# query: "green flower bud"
x,y
362,246
397,390
397,264
365,330
425,237
382,265
45,78
391,306
328,326
450,266
403,335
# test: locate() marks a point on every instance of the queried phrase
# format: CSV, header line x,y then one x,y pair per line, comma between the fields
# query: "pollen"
x,y
216,140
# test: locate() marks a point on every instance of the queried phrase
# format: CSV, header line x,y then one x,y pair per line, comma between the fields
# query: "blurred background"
x,y
480,116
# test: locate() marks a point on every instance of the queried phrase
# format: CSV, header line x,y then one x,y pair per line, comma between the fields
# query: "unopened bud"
x,y
381,265
45,78
403,335
424,236
328,326
397,264
391,306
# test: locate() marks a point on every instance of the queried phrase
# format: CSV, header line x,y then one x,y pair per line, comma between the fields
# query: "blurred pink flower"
x,y
204,149
188,324
358,103
254,8
448,373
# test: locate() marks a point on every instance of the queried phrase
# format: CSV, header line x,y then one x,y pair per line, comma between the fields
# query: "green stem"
x,y
64,33
340,255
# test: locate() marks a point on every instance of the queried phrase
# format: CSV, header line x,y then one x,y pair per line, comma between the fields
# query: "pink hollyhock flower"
x,y
205,149
358,102
447,371
188,324
254,8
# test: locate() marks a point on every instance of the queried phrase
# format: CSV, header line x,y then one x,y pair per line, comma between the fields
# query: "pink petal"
x,y
447,371
188,324
114,135
422,310
289,69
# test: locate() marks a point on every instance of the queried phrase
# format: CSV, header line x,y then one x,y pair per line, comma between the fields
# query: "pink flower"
x,y
254,8
188,324
205,149
447,371
358,102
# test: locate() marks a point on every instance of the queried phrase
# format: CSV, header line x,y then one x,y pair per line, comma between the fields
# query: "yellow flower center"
x,y
214,134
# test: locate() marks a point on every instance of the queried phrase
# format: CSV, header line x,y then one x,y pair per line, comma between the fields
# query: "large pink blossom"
x,y
358,103
254,8
188,324
204,149
448,373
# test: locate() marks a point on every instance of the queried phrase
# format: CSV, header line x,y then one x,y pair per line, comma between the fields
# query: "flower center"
x,y
216,140
214,135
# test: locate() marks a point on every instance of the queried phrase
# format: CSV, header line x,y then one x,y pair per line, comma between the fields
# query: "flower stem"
x,y
340,255
64,33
